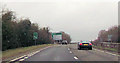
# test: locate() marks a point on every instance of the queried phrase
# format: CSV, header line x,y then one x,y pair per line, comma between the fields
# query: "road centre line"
x,y
68,48
75,58
70,52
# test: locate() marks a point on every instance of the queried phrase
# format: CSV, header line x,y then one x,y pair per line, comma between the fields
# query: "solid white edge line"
x,y
14,59
21,59
30,54
18,58
26,57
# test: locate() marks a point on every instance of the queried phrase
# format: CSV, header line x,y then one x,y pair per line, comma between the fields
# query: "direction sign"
x,y
35,35
57,36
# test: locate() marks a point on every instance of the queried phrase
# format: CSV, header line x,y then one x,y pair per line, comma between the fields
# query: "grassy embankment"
x,y
110,49
14,52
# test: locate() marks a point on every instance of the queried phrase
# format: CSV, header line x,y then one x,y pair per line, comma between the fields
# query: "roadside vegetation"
x,y
18,32
104,39
22,50
114,31
105,48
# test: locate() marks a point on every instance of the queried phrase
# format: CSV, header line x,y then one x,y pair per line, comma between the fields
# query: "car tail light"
x,y
80,43
90,44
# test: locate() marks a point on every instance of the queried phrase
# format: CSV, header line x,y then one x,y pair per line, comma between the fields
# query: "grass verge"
x,y
13,52
110,49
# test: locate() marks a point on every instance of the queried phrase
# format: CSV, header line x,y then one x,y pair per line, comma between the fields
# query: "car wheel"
x,y
79,48
90,48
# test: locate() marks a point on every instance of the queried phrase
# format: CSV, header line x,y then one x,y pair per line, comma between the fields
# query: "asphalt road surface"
x,y
93,55
55,53
70,53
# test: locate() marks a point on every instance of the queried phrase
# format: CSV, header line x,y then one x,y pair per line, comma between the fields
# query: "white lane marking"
x,y
28,55
14,59
70,52
75,58
107,52
18,58
68,48
21,59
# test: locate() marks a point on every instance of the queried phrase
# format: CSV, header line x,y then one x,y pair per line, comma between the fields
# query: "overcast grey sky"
x,y
82,19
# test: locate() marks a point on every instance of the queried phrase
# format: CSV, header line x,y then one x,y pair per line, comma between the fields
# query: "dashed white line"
x,y
70,52
75,58
68,48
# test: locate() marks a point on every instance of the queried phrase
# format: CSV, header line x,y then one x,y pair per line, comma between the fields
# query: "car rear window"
x,y
85,42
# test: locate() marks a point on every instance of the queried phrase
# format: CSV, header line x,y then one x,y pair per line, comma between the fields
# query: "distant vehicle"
x,y
84,44
64,42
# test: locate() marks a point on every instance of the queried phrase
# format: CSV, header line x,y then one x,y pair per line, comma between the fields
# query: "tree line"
x,y
19,32
113,31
